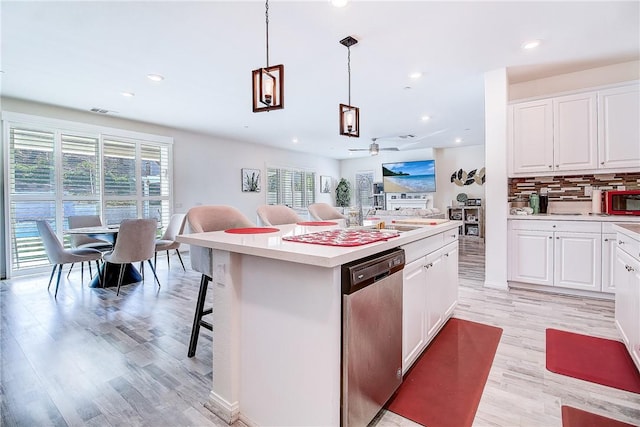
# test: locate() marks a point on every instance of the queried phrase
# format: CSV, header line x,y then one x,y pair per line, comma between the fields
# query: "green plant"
x,y
343,193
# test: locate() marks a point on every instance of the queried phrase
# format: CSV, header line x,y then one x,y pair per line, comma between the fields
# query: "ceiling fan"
x,y
374,148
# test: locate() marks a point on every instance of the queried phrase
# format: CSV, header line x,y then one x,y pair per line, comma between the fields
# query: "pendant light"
x,y
268,82
349,115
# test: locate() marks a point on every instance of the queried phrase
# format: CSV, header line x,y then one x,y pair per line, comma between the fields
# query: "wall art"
x,y
251,180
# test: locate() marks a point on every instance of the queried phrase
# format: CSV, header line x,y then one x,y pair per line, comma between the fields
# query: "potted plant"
x,y
343,193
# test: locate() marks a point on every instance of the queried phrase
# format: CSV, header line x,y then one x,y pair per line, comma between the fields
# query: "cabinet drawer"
x,y
629,245
544,225
420,248
450,236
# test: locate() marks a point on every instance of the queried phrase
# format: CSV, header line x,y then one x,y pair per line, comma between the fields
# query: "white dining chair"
x,y
136,242
58,255
277,215
324,211
84,241
168,240
202,219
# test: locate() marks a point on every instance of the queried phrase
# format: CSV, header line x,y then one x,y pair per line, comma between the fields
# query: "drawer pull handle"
x,y
620,242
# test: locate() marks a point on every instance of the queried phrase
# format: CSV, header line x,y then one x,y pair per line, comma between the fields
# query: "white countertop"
x,y
581,217
271,245
632,230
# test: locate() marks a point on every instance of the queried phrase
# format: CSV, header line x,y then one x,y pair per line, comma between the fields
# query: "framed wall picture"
x,y
325,184
251,180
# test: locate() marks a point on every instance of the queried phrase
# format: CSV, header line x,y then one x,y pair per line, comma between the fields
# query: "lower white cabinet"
x,y
556,253
627,277
430,294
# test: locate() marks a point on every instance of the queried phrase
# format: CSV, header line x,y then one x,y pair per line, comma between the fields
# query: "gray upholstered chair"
x,y
84,241
324,211
168,240
58,255
277,214
136,242
202,219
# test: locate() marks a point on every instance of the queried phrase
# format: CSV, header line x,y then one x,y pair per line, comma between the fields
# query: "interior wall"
x,y
611,74
207,169
450,160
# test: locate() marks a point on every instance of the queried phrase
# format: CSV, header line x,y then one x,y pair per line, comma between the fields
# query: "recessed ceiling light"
x,y
155,77
458,140
339,3
415,75
425,118
531,44
128,94
294,140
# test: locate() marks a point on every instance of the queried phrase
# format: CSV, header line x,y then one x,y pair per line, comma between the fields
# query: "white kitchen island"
x,y
277,321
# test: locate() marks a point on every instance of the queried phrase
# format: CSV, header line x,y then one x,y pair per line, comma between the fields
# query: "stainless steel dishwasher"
x,y
371,335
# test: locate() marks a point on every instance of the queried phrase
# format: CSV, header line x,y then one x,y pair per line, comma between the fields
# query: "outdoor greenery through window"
x,y
291,187
55,173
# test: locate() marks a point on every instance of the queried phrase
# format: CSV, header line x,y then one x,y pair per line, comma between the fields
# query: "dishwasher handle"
x,y
364,272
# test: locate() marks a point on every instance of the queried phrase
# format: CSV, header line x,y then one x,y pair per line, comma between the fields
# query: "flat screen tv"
x,y
409,177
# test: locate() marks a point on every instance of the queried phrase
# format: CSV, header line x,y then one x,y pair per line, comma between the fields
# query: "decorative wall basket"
x,y
461,177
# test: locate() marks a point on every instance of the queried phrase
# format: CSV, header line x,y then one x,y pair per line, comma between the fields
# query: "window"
x,y
292,187
54,173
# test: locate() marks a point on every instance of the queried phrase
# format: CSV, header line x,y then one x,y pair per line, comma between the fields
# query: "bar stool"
x,y
203,219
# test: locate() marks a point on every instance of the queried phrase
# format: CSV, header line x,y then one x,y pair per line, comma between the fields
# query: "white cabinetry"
x,y
556,253
618,131
608,261
593,131
430,294
627,277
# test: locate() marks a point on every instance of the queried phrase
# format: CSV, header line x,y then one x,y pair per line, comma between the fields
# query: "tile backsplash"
x,y
571,188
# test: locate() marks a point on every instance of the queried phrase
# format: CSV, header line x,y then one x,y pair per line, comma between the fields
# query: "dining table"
x,y
108,233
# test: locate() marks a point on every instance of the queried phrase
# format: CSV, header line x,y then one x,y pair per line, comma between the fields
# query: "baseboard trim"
x,y
226,411
502,286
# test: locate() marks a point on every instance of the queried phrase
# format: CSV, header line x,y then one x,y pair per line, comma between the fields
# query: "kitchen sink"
x,y
395,227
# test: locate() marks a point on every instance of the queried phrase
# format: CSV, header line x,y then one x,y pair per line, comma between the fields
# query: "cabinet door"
x,y
575,132
608,262
436,278
618,131
578,260
634,333
450,259
532,257
414,300
624,305
532,133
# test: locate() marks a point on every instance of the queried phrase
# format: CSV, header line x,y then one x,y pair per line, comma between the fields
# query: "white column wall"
x,y
496,98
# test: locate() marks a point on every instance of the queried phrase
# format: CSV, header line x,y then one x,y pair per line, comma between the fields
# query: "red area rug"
x,y
444,386
573,417
597,360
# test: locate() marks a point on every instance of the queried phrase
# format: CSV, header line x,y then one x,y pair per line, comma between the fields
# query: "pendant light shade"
x,y
268,82
349,115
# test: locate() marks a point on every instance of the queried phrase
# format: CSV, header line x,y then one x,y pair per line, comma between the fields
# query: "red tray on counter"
x,y
342,237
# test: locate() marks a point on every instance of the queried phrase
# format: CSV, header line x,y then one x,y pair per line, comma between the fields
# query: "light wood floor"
x,y
90,358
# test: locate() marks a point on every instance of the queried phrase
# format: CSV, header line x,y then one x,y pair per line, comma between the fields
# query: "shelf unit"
x,y
472,220
378,196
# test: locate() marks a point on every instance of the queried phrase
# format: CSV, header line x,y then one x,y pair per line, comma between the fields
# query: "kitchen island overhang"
x,y
277,322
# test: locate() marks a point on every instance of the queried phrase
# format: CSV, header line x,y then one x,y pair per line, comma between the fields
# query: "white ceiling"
x,y
82,55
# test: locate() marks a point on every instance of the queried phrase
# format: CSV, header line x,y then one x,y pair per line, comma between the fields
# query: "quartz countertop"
x,y
632,230
271,245
579,217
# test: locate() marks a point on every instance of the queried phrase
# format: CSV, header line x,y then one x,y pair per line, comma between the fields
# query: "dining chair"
x,y
277,214
58,255
203,219
168,240
324,211
136,242
84,241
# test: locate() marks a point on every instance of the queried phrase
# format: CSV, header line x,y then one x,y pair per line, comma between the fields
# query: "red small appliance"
x,y
622,202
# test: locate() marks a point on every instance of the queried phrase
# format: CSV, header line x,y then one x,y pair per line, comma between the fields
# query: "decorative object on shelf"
x,y
462,198
461,177
251,180
474,202
349,115
268,82
343,193
325,184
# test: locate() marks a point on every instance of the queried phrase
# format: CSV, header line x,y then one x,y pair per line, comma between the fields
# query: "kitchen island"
x,y
277,320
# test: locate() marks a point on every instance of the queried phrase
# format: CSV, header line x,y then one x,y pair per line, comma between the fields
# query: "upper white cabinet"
x,y
618,128
594,131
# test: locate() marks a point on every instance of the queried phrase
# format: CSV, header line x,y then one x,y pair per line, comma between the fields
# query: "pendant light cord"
x,y
266,14
349,71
